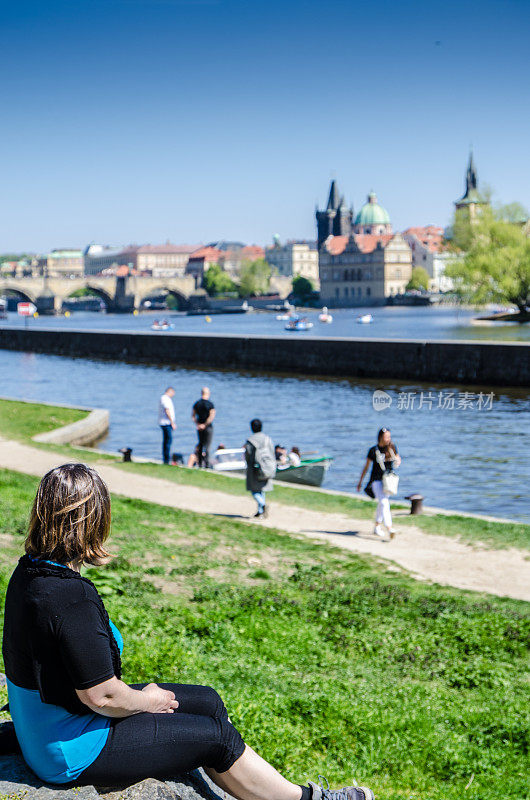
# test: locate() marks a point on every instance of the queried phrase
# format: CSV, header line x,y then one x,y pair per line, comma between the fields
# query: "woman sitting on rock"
x,y
75,719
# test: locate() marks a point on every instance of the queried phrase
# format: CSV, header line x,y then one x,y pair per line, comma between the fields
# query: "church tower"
x,y
471,200
336,219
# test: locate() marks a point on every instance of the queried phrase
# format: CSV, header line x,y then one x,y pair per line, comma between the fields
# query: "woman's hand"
x,y
359,486
161,701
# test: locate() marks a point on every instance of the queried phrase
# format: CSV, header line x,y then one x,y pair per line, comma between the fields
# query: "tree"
x,y
255,277
496,266
216,281
419,280
302,288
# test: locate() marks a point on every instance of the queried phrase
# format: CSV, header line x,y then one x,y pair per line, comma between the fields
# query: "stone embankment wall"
x,y
460,362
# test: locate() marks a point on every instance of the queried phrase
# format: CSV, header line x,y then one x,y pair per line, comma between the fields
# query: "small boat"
x,y
325,316
365,319
283,317
161,326
310,472
298,324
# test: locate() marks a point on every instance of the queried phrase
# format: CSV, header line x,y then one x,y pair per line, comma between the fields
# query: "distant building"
x,y
363,269
428,251
201,260
98,257
294,258
471,202
164,260
372,218
336,219
65,262
232,260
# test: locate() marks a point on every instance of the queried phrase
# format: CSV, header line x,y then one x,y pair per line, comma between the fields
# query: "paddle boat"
x,y
161,326
310,472
325,316
365,319
298,324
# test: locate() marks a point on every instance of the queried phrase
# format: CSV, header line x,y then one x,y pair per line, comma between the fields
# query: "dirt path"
x,y
440,559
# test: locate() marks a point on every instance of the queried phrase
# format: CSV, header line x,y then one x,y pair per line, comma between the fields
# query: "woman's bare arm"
x,y
363,473
113,698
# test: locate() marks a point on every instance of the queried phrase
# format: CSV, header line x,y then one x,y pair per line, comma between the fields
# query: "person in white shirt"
x,y
166,420
294,457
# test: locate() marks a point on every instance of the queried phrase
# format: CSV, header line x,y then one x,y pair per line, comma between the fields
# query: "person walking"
x,y
203,414
261,465
166,420
383,457
75,718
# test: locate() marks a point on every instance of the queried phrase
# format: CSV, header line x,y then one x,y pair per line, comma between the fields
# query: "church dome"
x,y
372,213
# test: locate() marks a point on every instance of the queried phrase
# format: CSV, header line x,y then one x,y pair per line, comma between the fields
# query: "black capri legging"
x,y
197,734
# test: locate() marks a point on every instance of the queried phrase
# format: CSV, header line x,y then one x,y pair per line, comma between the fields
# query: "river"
x,y
463,452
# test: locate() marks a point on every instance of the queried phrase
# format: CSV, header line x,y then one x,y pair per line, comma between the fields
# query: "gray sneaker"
x,y
348,793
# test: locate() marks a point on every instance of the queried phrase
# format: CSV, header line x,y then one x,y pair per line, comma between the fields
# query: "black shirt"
x,y
57,636
377,472
202,410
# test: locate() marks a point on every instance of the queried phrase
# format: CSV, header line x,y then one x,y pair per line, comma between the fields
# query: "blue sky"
x,y
193,120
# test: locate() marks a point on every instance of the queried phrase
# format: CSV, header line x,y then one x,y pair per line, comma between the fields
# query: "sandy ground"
x,y
439,559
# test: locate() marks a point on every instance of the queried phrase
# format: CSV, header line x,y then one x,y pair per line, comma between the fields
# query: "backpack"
x,y
265,459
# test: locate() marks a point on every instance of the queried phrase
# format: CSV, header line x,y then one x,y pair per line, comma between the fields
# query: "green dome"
x,y
372,213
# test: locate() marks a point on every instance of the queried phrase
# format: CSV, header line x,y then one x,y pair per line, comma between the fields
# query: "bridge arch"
x,y
158,291
105,296
24,297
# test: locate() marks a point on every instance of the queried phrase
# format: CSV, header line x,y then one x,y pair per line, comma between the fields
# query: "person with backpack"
x,y
261,465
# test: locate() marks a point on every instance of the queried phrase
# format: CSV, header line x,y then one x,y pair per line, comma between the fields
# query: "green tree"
x,y
419,280
255,277
302,288
496,266
216,281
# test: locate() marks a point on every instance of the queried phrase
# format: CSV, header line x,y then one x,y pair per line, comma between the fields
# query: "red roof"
x,y
253,250
430,236
167,248
206,254
366,242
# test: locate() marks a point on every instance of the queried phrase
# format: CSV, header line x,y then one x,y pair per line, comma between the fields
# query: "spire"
x,y
333,200
471,175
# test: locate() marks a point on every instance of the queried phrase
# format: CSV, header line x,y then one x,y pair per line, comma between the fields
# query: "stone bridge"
x,y
122,294
118,294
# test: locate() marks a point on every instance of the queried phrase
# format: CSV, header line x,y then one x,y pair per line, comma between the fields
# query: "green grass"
x,y
328,662
22,421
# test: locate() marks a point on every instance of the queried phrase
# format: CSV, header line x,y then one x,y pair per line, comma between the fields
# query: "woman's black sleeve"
x,y
84,644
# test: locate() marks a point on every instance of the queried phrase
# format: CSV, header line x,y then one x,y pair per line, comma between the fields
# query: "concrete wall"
x,y
463,362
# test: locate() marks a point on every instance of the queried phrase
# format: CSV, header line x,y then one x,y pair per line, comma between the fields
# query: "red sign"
x,y
26,309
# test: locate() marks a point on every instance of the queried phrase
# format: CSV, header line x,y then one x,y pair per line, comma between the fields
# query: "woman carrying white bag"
x,y
383,482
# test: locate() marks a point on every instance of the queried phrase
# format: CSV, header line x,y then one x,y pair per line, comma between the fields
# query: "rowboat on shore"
x,y
310,472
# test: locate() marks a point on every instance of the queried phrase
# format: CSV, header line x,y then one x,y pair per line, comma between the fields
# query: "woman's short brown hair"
x,y
70,518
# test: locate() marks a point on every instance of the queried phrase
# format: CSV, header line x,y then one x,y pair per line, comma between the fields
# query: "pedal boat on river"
x,y
298,324
311,471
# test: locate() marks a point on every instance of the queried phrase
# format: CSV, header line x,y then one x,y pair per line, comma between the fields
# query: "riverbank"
x,y
451,550
329,662
469,363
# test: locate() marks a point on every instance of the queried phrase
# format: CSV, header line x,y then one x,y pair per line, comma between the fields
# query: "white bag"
x,y
390,483
390,480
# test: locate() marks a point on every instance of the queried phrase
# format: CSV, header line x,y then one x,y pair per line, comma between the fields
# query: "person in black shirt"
x,y
203,414
75,719
383,457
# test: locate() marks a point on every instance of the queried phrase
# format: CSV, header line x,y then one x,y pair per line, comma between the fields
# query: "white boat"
x,y
283,317
310,472
365,319
325,316
161,326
